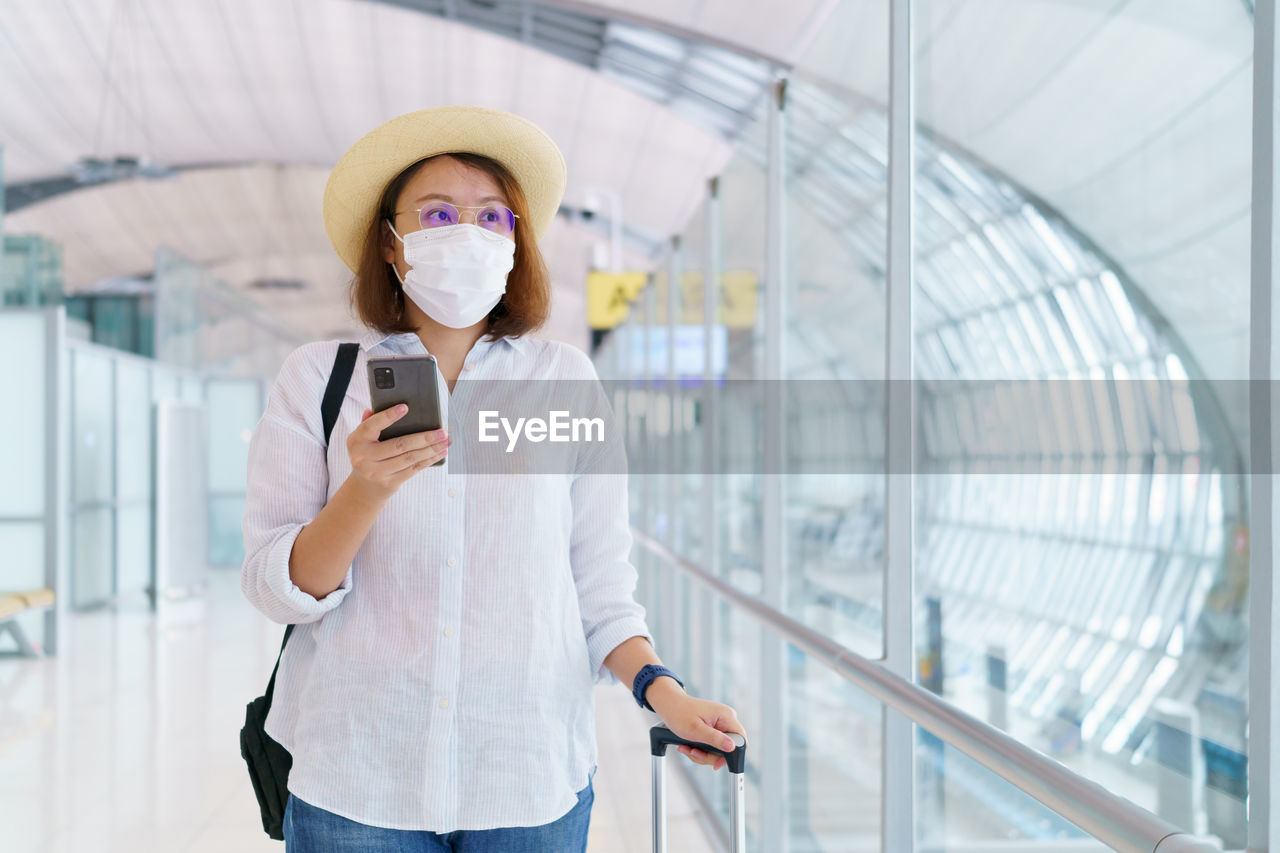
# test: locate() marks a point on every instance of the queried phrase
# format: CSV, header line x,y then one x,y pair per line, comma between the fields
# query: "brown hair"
x,y
378,299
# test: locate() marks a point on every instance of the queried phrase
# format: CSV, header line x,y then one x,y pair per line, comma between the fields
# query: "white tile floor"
x,y
128,739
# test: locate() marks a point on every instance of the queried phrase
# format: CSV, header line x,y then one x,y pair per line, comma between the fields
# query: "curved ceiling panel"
x,y
1097,108
718,88
240,81
1133,122
778,30
175,86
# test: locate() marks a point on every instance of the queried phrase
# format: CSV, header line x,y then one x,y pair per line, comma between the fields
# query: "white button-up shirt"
x,y
447,684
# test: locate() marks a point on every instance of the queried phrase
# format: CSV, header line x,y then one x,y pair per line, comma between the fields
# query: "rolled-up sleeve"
x,y
288,484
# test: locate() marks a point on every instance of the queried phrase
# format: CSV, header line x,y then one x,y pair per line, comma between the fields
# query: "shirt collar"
x,y
402,340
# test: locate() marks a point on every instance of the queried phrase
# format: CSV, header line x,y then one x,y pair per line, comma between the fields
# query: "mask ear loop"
x,y
394,270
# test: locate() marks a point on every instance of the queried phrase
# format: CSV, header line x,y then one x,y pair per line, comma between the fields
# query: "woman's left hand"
x,y
697,719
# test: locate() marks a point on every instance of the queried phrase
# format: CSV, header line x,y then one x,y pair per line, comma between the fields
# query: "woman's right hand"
x,y
381,467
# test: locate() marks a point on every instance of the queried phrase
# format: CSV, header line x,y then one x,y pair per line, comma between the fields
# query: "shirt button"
x,y
453,493
444,703
448,632
453,561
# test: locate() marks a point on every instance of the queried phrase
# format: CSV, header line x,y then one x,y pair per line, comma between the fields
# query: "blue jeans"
x,y
309,829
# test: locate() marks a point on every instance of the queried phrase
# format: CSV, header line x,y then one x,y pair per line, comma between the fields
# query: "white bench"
x,y
12,604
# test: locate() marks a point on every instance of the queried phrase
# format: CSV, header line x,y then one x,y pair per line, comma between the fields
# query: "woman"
x,y
438,692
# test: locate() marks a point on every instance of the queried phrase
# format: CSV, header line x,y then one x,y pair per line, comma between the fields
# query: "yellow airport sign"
x,y
609,296
737,298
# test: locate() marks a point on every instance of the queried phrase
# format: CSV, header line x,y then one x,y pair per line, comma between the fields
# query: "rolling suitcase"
x,y
660,737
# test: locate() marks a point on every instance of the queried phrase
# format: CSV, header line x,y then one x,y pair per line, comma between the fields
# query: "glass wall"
x,y
1082,186
134,475
235,405
836,154
831,523
101,430
124,320
738,255
689,440
111,397
26,444
92,495
31,270
200,323
1079,310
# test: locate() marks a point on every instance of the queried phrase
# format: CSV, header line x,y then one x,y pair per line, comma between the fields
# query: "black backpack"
x,y
269,762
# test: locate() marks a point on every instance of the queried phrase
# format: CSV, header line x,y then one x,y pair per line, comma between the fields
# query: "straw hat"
x,y
357,181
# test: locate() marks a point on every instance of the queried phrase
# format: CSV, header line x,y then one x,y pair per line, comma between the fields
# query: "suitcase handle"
x,y
660,737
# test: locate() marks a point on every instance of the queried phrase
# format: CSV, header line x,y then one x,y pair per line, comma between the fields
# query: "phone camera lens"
x,y
383,377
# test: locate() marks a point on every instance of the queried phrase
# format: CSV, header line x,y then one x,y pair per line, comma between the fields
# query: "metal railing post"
x,y
675,441
661,602
898,754
1264,366
710,534
774,749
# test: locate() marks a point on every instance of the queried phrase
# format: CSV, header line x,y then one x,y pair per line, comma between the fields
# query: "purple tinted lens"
x,y
496,219
438,214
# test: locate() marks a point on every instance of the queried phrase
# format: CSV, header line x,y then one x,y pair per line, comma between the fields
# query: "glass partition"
x,y
1081,211
111,403
26,443
200,323
234,405
834,743
1080,214
30,270
123,317
836,155
690,437
133,481
92,477
741,208
25,440
963,806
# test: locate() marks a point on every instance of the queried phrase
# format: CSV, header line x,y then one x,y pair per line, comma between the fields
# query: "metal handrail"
x,y
1112,819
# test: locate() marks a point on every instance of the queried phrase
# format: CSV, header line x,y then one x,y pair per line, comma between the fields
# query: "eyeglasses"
x,y
492,217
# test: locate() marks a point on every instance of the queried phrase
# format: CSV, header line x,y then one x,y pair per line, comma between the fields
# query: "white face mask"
x,y
457,272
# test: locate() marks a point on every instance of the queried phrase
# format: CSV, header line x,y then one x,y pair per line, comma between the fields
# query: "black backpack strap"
x,y
271,685
344,364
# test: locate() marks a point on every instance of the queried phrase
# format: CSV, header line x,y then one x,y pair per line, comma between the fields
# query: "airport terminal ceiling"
x,y
214,85
169,83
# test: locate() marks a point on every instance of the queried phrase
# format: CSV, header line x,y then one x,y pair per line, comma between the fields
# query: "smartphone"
x,y
408,379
